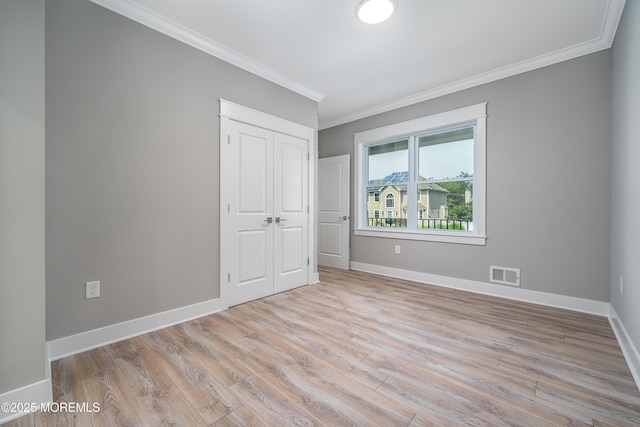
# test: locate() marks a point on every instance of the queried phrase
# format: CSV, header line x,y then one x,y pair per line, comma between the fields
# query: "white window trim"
x,y
477,113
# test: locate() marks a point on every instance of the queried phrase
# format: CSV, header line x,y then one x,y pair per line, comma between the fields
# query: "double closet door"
x,y
267,221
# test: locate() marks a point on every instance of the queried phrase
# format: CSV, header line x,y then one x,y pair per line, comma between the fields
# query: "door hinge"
x,y
229,139
308,262
229,208
228,277
308,156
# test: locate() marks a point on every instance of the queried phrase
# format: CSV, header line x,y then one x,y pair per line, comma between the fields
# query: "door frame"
x,y
236,112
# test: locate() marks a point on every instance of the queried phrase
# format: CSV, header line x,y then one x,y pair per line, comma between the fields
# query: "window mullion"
x,y
412,186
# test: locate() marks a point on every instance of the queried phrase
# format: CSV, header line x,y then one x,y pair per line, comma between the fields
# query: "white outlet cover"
x,y
92,289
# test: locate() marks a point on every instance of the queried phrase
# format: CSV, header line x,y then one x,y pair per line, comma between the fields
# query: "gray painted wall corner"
x,y
22,187
625,197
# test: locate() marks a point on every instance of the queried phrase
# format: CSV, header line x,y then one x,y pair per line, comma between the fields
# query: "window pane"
x,y
390,200
446,205
391,209
446,155
388,162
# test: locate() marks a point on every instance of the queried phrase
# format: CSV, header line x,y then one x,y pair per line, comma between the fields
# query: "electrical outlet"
x,y
92,289
397,249
621,286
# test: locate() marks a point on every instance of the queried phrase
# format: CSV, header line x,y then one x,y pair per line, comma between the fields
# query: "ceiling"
x,y
428,48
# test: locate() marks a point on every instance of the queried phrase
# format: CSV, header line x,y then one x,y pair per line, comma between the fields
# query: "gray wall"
x,y
22,212
625,193
132,165
548,181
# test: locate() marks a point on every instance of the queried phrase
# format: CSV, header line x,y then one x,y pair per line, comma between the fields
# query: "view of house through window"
x,y
422,182
387,178
424,179
445,170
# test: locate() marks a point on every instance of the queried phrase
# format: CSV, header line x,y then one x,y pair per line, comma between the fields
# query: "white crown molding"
x,y
153,20
611,20
147,17
610,23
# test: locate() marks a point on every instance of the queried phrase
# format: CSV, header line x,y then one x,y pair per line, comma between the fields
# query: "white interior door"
x,y
268,218
333,211
251,216
291,253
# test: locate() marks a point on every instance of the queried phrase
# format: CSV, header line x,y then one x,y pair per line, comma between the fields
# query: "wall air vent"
x,y
504,275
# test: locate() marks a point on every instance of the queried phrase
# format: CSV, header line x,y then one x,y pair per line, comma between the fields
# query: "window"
x,y
376,197
390,201
432,174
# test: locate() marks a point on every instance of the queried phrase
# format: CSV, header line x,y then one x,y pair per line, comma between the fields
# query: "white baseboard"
x,y
599,308
630,351
74,344
36,393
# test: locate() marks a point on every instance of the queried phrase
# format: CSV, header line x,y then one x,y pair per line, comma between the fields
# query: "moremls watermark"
x,y
72,407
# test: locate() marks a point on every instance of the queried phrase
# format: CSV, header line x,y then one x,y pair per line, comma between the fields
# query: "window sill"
x,y
463,239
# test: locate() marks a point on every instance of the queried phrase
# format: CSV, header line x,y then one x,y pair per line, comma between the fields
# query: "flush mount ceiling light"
x,y
375,11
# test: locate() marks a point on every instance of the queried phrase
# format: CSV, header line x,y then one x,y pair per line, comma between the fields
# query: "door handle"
x,y
279,220
269,220
344,218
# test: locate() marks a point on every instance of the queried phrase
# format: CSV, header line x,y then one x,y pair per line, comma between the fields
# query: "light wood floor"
x,y
360,350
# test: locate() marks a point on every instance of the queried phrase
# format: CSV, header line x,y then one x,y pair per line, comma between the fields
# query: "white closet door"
x,y
251,216
268,215
291,230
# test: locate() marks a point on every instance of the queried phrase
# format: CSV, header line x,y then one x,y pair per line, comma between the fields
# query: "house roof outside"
x,y
399,178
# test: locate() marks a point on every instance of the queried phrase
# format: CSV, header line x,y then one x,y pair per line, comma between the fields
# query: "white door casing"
x,y
333,211
266,198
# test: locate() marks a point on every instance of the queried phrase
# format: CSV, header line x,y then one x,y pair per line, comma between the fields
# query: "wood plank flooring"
x,y
358,350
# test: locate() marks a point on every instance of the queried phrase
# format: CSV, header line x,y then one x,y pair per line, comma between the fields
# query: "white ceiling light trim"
x,y
148,18
375,11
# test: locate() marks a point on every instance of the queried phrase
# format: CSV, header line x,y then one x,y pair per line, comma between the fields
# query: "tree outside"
x,y
459,198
